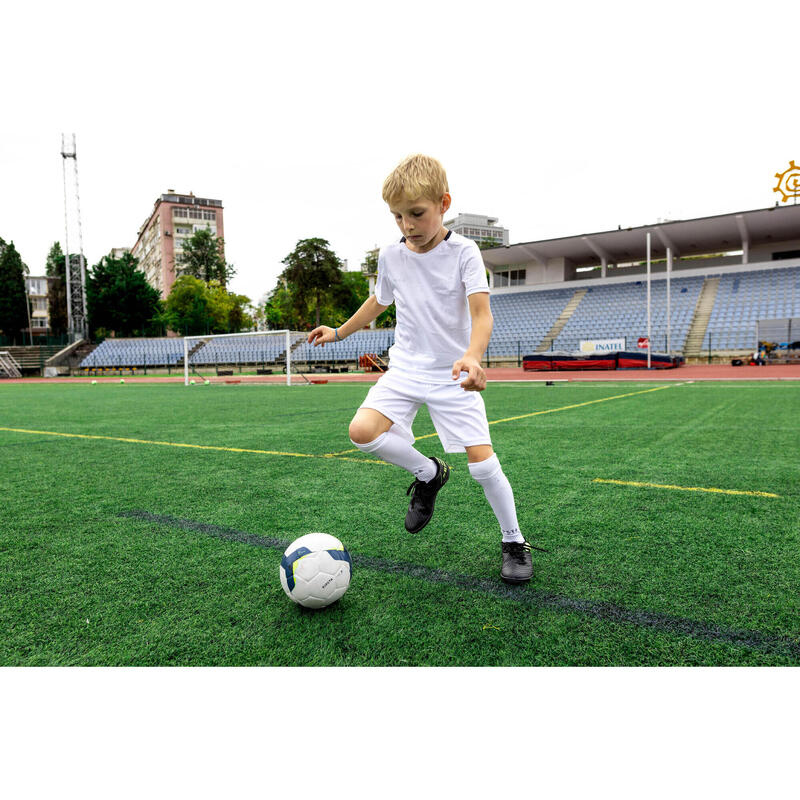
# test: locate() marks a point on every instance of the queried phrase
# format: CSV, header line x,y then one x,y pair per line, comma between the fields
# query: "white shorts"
x,y
458,416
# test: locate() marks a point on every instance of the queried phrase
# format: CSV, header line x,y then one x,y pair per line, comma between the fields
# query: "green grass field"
x,y
141,552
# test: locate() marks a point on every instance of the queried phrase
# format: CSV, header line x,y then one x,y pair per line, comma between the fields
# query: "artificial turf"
x,y
141,552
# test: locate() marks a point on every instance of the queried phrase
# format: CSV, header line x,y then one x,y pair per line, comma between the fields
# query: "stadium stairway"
x,y
702,314
562,320
32,358
9,368
68,358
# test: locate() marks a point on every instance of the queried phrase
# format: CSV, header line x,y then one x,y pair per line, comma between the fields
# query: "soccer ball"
x,y
315,570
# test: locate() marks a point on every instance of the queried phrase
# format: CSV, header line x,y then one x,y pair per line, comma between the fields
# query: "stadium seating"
x,y
620,311
367,341
116,353
243,350
523,319
613,311
168,352
744,298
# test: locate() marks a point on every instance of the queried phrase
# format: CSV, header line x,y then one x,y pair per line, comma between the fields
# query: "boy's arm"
x,y
370,309
470,362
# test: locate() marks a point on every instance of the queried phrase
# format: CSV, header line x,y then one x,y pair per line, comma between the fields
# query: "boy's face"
x,y
420,221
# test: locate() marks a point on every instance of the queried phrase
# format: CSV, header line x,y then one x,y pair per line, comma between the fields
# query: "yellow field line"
x,y
546,411
685,488
193,446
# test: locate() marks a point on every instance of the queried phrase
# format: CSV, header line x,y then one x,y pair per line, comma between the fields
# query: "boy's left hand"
x,y
476,377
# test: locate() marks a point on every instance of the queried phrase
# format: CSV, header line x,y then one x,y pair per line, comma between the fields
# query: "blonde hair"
x,y
414,177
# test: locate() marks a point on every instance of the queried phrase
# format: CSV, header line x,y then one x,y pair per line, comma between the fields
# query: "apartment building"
x,y
36,287
175,217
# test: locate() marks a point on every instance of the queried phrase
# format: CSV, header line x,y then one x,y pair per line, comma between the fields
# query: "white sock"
x,y
396,450
497,489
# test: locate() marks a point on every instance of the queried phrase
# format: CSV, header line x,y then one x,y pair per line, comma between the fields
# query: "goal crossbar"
x,y
208,337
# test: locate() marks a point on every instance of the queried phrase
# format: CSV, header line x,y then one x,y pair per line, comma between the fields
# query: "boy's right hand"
x,y
321,335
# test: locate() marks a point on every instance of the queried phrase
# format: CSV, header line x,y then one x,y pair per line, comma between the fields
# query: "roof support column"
x,y
745,234
601,253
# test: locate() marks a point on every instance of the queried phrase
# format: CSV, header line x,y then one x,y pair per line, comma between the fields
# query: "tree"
x,y
119,298
195,307
313,272
14,307
280,311
203,257
186,307
228,310
369,266
57,289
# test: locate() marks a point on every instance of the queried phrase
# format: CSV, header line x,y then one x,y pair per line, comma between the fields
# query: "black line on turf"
x,y
754,640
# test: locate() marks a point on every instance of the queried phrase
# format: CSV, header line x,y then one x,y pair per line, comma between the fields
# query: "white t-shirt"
x,y
430,293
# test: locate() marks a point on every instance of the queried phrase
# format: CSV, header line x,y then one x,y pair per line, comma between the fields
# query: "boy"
x,y
437,281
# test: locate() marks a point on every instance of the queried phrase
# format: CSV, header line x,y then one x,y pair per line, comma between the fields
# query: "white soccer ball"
x,y
315,570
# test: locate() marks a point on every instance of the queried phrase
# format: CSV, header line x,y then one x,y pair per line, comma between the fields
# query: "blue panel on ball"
x,y
287,564
342,555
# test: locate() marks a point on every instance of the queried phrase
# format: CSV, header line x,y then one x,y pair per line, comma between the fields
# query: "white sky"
x,y
558,120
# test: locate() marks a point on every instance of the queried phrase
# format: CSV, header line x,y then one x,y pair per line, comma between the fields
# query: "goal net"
x,y
263,352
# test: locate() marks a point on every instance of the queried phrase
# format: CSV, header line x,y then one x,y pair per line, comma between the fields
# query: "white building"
x,y
36,287
478,228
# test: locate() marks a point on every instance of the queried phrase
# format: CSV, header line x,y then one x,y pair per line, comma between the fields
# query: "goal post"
x,y
247,350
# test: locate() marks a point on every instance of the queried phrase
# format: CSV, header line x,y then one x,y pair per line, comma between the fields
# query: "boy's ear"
x,y
446,200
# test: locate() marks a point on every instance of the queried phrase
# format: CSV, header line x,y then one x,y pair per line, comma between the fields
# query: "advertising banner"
x,y
602,345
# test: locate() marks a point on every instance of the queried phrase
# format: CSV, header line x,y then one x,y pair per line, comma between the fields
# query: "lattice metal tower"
x,y
75,267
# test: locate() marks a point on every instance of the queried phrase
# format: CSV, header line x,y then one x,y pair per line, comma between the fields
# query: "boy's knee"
x,y
367,425
361,433
485,470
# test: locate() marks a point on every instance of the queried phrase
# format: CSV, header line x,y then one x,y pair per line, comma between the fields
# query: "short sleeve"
x,y
383,286
473,270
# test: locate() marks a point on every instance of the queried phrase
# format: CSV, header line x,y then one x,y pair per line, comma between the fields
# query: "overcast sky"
x,y
560,120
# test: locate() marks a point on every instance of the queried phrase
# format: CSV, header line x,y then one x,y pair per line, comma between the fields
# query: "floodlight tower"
x,y
76,272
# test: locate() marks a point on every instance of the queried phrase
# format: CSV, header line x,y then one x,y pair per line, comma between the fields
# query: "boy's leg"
x,y
370,432
485,467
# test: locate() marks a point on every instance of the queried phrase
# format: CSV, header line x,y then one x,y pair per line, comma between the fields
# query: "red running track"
x,y
711,372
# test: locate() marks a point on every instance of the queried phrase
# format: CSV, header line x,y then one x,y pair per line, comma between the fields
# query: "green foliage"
x,y
229,311
487,244
56,269
314,288
195,307
369,266
313,275
56,266
203,257
119,298
279,311
13,296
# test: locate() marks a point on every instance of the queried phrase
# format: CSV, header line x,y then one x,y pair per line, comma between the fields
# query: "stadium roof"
x,y
726,232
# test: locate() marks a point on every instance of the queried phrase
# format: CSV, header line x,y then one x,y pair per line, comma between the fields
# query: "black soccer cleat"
x,y
423,497
517,562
